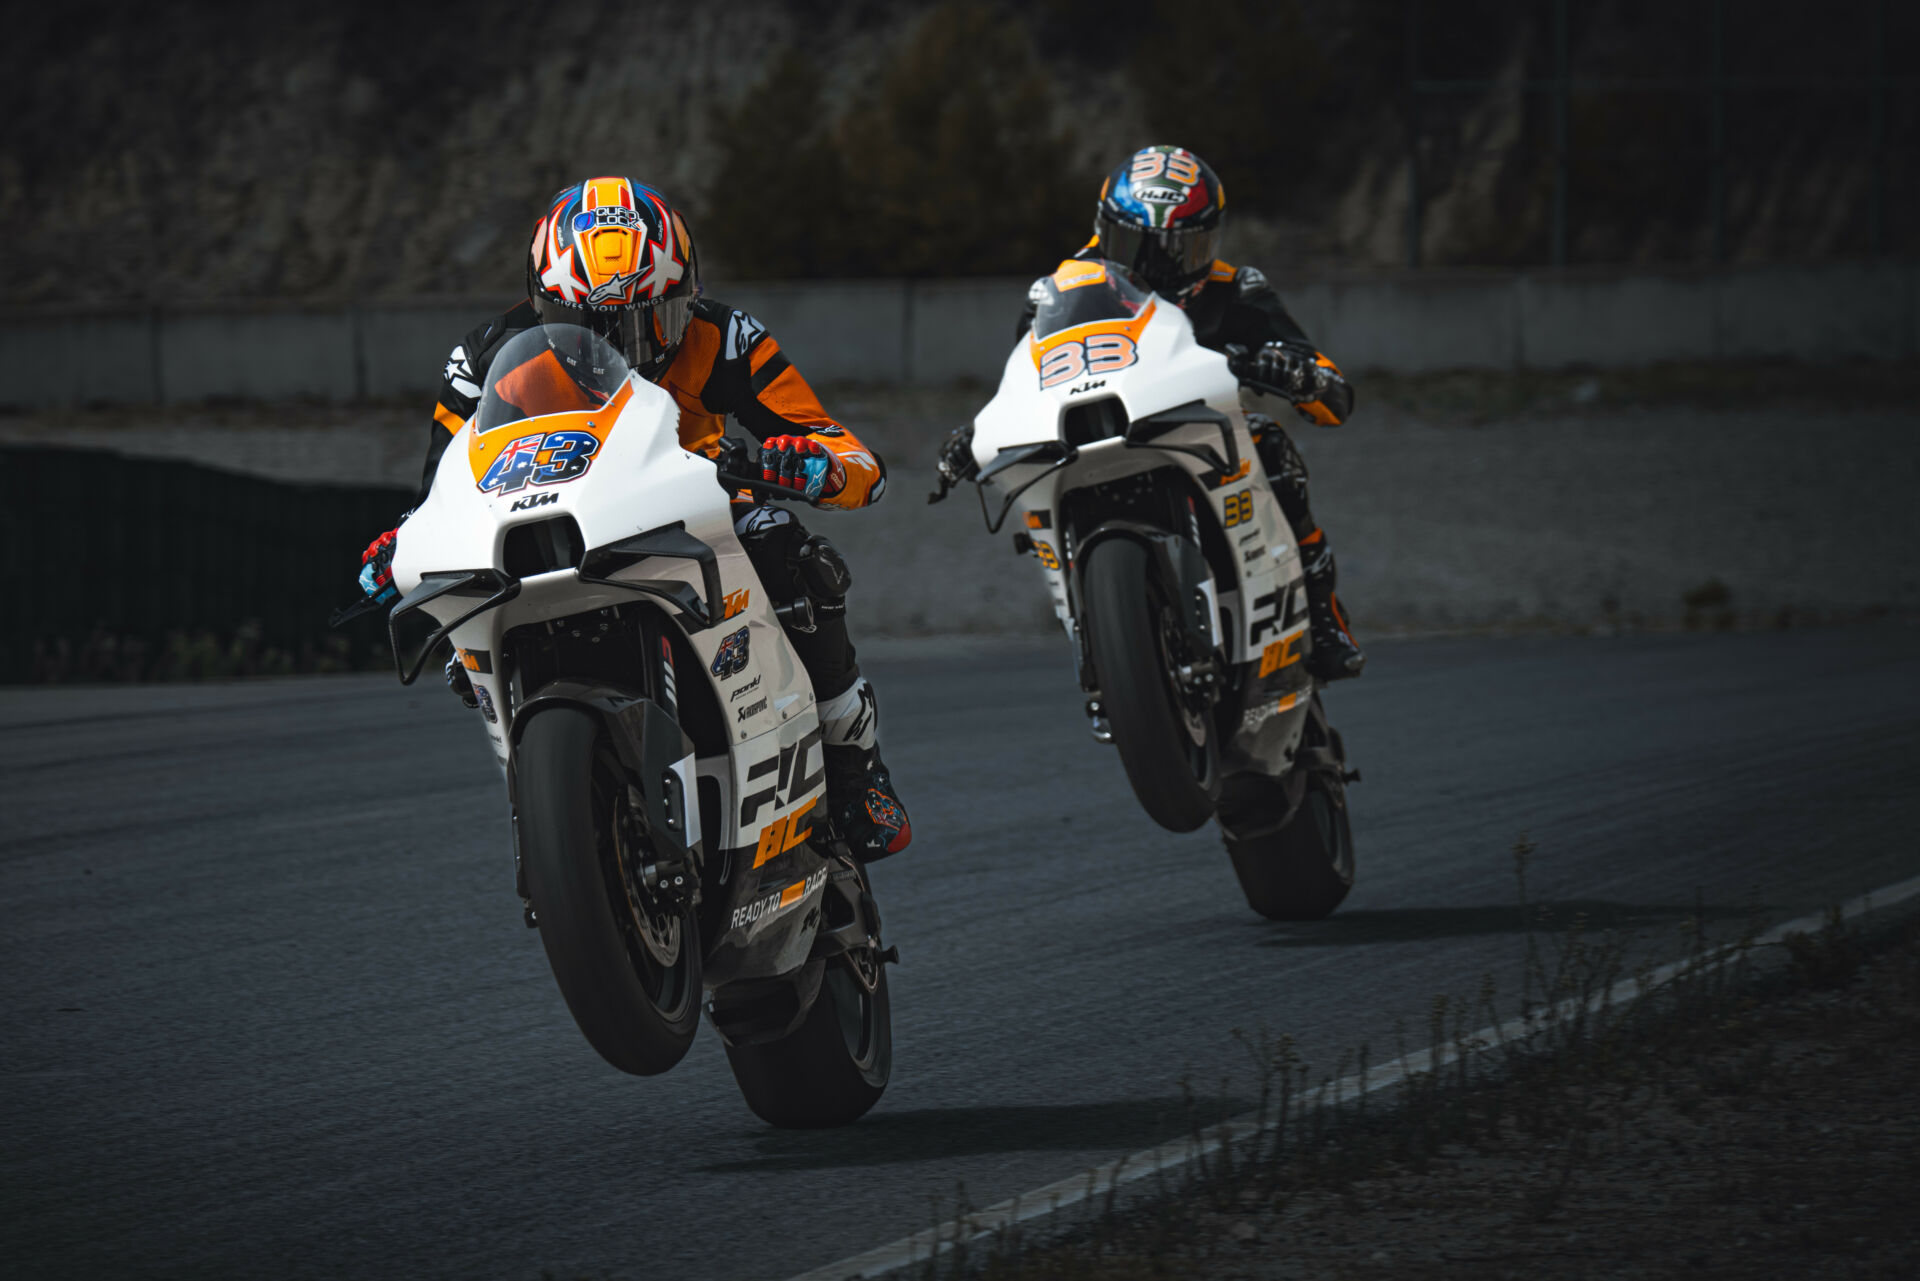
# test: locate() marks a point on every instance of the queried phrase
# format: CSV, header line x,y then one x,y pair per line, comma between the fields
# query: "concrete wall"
x,y
939,331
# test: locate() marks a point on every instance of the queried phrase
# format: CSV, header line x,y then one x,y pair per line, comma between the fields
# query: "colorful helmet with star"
x,y
1160,214
611,255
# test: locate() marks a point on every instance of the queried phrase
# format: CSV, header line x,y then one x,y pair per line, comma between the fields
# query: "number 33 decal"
x,y
1100,354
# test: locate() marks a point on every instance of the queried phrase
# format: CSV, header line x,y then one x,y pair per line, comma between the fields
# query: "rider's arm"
x,y
460,382
755,382
1255,316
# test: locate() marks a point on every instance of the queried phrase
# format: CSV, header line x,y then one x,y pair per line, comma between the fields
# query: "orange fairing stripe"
x,y
1313,538
1038,348
448,419
1222,270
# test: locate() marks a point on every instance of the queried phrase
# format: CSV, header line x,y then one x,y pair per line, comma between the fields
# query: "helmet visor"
x,y
645,334
1171,259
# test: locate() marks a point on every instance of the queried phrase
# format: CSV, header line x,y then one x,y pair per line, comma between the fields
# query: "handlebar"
x,y
755,485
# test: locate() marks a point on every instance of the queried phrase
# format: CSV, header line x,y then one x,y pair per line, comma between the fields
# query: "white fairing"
x,y
1264,600
639,480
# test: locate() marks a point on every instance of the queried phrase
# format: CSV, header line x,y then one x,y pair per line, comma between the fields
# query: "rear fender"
x,y
657,753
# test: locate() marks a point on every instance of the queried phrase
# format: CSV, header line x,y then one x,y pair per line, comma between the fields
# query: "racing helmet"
x,y
612,256
1160,213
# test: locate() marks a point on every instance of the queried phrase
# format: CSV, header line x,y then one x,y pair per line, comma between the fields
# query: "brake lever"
x,y
359,609
756,485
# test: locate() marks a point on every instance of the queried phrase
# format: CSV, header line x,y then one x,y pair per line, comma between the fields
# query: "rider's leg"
x,y
1335,654
860,792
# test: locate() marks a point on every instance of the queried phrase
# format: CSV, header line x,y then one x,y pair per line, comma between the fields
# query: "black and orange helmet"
x,y
611,255
1160,214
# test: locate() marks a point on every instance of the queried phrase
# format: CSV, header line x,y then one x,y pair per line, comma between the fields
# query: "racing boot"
x,y
860,796
1336,655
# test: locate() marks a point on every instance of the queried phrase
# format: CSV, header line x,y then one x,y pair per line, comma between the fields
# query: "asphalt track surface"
x,y
269,1008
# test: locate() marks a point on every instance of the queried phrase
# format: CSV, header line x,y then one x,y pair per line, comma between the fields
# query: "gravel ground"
x,y
1778,1139
1555,510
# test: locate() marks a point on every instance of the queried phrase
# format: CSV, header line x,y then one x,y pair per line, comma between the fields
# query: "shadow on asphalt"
x,y
944,1133
1412,924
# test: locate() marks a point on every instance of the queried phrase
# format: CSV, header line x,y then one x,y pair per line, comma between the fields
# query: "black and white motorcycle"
x,y
658,734
1120,447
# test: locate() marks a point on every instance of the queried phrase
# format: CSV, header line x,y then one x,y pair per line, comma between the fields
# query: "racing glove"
x,y
803,465
1292,371
956,461
376,569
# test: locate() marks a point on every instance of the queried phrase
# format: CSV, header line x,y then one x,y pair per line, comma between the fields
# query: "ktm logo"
x,y
736,602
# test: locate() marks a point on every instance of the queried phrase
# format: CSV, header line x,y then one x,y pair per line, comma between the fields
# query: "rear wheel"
x,y
1305,870
832,1068
1134,631
628,966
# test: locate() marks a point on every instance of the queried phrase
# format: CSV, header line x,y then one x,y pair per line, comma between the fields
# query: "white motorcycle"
x,y
658,734
1122,446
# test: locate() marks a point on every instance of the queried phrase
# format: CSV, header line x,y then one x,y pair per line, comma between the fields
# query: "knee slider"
x,y
821,572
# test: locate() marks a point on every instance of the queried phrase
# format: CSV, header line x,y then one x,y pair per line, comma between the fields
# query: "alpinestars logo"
x,y
743,331
614,290
459,374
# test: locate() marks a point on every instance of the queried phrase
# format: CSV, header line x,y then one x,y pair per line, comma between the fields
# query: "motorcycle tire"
x,y
1303,871
633,988
1136,689
832,1068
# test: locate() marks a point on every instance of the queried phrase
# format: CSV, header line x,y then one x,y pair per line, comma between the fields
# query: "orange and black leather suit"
x,y
1236,306
727,364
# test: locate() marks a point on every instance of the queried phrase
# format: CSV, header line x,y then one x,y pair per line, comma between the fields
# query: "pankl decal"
x,y
543,458
778,901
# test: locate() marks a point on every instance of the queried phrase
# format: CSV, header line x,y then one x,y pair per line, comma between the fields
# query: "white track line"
x,y
1104,1180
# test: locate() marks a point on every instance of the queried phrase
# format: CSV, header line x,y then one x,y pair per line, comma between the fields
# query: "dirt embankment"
x,y
1774,1133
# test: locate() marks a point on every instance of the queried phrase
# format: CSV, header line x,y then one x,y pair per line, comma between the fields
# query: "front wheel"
x,y
832,1068
1304,870
628,967
1133,629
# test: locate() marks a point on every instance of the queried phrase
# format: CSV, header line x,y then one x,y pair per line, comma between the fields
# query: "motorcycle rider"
x,y
1160,214
613,256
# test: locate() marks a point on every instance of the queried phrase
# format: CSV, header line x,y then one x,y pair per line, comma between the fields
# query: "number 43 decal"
x,y
550,458
1099,354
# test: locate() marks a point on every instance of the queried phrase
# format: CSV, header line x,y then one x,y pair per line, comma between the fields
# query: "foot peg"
x,y
1097,722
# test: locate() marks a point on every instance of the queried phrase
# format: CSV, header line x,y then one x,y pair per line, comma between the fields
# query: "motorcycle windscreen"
x,y
1083,292
549,369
